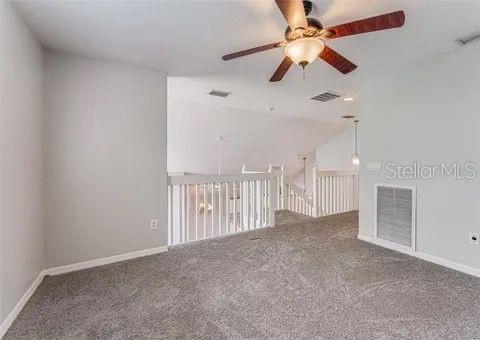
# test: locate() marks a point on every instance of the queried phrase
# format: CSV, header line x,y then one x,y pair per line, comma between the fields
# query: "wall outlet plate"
x,y
154,224
474,238
374,166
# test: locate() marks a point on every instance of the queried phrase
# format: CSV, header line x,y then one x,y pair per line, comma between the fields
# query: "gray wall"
x,y
21,210
336,154
429,114
106,158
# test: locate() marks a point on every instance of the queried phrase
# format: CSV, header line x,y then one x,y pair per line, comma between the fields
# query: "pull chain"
x,y
303,64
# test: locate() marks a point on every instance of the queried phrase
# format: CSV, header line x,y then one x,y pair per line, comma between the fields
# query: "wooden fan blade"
x,y
380,22
281,69
336,60
294,13
253,50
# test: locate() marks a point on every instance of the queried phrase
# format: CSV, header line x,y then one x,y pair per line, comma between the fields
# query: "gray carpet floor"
x,y
311,279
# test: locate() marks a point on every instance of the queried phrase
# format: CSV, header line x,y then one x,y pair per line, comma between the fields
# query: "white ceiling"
x,y
187,39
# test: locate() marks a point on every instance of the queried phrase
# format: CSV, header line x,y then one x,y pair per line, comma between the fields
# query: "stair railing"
x,y
334,192
296,200
206,206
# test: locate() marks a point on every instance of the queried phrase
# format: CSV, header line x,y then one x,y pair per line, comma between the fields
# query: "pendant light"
x,y
355,157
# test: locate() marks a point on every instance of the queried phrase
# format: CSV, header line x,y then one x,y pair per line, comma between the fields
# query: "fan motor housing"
x,y
313,30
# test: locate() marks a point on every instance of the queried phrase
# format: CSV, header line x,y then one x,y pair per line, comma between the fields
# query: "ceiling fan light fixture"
x,y
304,51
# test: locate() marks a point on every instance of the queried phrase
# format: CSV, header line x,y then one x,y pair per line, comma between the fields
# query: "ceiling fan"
x,y
305,37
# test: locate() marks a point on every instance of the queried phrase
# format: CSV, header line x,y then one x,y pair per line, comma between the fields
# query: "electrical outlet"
x,y
154,224
474,238
374,166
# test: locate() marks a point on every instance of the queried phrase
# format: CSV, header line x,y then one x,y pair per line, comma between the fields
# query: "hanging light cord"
x,y
356,136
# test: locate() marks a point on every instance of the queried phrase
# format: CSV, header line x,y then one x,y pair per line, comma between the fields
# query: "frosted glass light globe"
x,y
304,51
356,159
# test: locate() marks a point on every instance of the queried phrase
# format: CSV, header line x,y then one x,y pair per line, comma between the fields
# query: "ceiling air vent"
x,y
326,96
469,38
219,93
348,116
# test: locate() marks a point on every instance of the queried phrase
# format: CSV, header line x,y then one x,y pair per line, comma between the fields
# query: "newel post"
x,y
273,188
282,189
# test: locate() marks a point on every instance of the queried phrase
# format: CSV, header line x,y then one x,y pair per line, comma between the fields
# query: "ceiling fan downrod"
x,y
303,64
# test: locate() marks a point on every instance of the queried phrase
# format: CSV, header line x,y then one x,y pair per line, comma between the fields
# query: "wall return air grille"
x,y
395,214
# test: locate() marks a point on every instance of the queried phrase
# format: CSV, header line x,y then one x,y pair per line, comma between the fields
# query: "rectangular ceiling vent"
x,y
326,96
469,38
219,93
395,211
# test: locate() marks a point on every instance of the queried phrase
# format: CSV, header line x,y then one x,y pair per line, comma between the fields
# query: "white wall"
x,y
21,185
299,177
250,137
428,114
336,154
105,158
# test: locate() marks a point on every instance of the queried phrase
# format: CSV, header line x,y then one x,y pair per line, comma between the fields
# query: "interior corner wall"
x,y
106,158
429,114
22,240
336,154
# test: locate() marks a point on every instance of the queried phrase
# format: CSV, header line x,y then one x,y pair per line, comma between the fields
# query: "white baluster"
x,y
328,184
234,207
179,213
314,193
204,211
340,194
220,205
196,212
184,213
260,205
255,207
170,222
249,204
324,195
213,210
345,193
188,212
227,210
279,202
241,205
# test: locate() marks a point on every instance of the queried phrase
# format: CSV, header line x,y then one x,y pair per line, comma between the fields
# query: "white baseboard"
x,y
424,256
20,304
70,268
104,260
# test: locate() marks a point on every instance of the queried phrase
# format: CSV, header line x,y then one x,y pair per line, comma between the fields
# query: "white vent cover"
x,y
395,214
469,38
219,93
